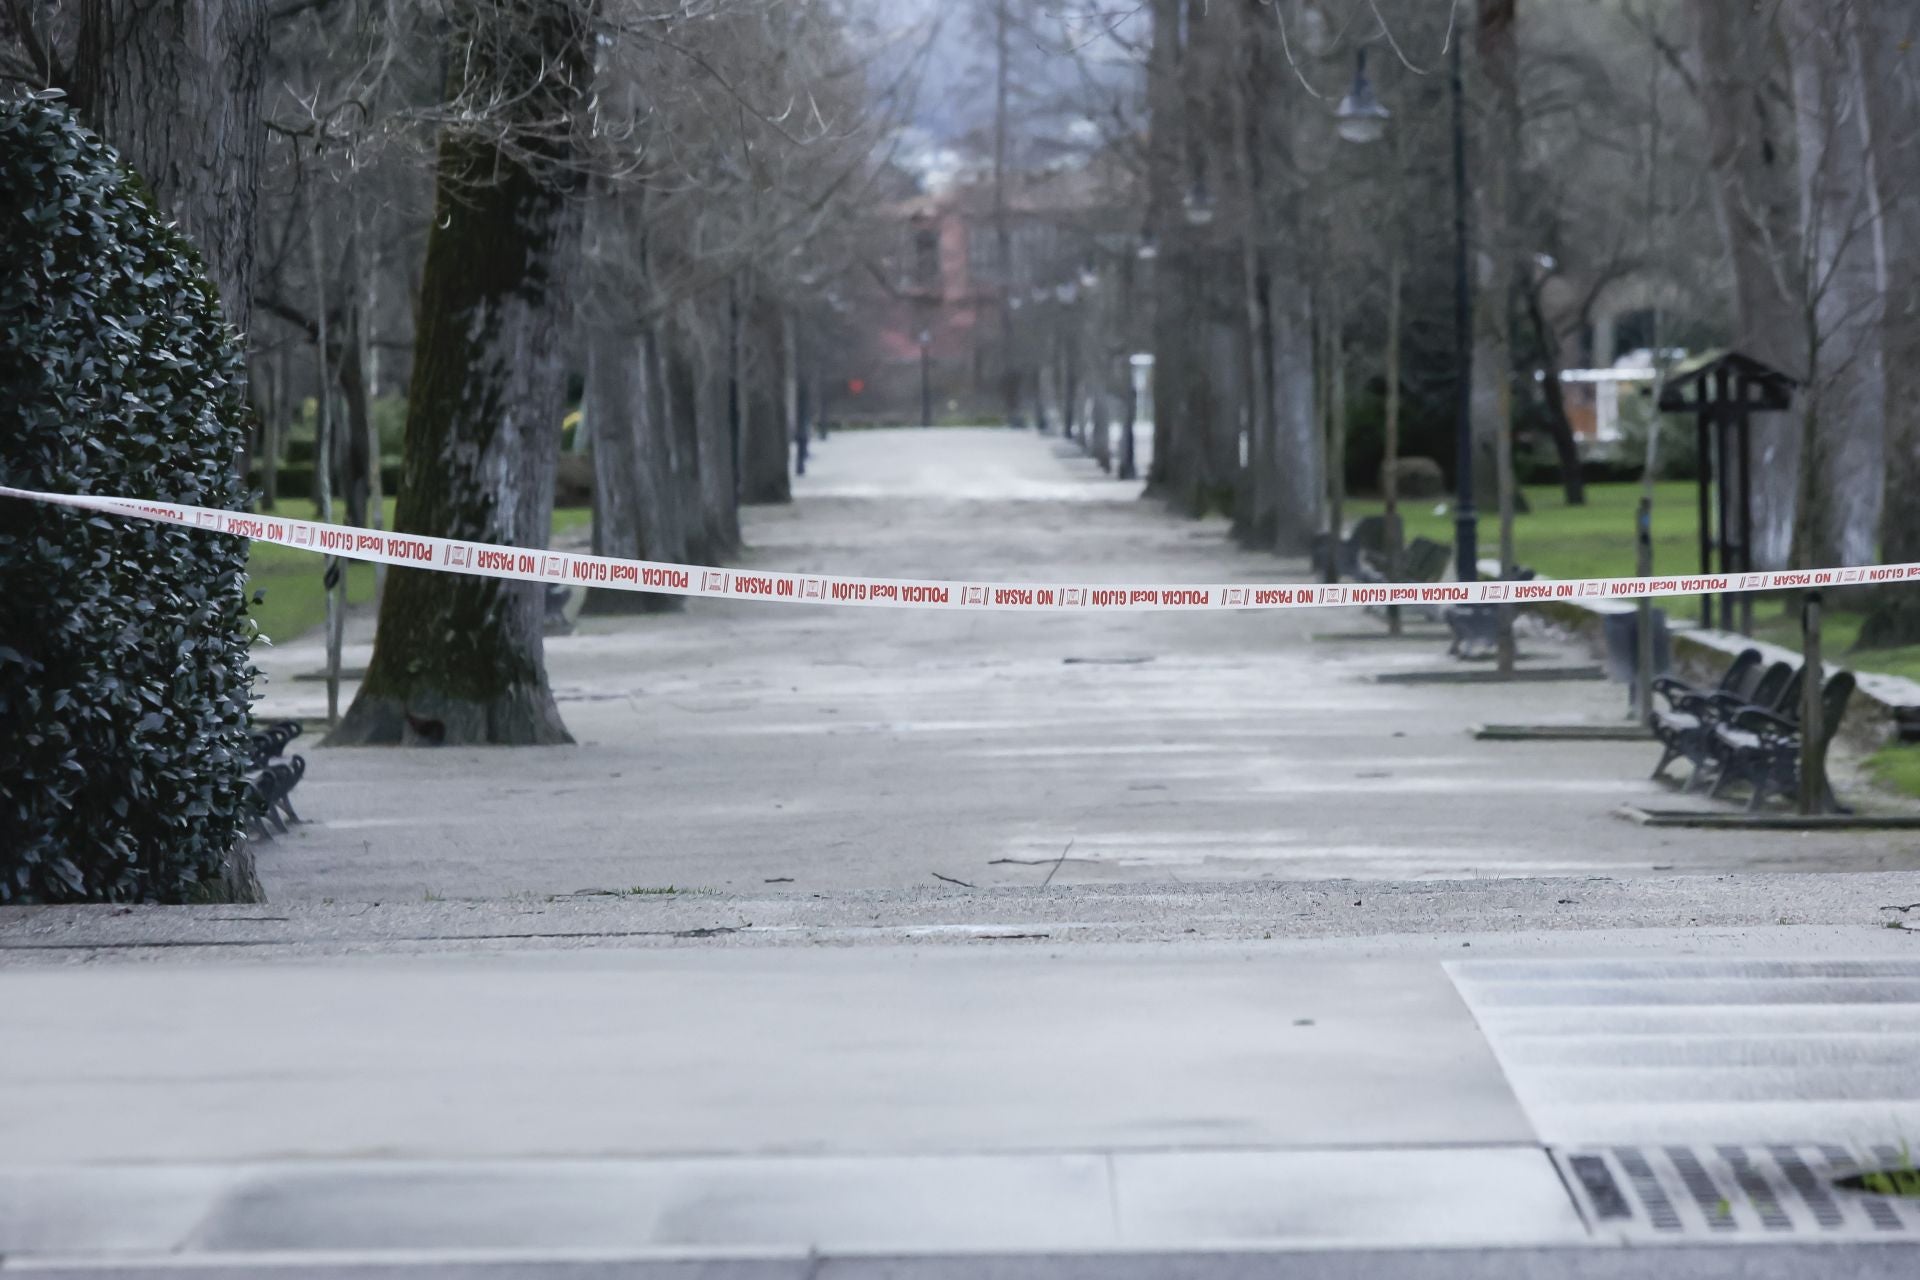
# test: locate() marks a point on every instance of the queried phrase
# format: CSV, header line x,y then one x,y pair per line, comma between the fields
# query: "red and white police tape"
x,y
455,555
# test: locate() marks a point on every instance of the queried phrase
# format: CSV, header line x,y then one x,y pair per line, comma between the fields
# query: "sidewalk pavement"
x,y
1035,1099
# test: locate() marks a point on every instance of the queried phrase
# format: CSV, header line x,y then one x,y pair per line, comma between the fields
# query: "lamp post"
x,y
1465,525
1359,119
1360,116
1362,119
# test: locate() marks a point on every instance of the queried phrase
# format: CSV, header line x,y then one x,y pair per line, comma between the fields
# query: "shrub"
x,y
125,681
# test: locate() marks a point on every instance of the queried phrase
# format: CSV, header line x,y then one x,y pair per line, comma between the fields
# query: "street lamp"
x,y
1465,526
1361,117
926,381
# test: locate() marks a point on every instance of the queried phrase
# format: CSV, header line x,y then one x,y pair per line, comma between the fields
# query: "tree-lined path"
x,y
785,749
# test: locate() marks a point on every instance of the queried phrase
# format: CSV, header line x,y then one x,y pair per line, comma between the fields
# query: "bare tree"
x,y
1845,392
1756,194
460,658
175,88
1891,76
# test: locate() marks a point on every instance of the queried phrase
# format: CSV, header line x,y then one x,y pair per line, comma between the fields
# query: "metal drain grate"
x,y
1781,1191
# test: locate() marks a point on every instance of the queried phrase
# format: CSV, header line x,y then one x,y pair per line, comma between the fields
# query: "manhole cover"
x,y
1781,1191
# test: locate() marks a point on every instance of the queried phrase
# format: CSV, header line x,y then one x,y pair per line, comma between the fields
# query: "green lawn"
x,y
295,603
1596,541
1592,541
1838,631
1896,768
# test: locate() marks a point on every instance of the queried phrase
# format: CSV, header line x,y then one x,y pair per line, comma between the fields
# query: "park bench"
x,y
272,776
1761,747
1685,726
1368,538
1622,632
1476,627
1421,561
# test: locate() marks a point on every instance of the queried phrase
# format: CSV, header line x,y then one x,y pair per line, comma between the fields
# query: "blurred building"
x,y
936,292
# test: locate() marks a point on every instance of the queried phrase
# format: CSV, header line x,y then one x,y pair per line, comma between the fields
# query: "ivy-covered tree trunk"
x,y
174,86
459,659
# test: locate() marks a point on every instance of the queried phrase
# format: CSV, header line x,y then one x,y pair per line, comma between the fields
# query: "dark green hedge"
x,y
125,683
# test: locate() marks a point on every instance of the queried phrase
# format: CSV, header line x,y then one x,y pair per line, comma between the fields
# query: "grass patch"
x,y
295,603
1596,541
1838,632
1897,768
1591,541
1901,1180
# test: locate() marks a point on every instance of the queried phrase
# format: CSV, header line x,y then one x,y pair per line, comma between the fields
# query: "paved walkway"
x,y
1184,1054
737,747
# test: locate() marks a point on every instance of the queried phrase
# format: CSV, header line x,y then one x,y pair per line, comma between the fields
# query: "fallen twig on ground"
x,y
1056,863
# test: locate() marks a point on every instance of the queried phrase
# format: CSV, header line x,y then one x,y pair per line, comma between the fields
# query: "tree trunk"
x,y
279,420
458,658
1254,508
1892,75
1336,401
1070,381
1572,483
1755,192
680,406
362,450
1002,229
719,496
1846,388
634,512
1169,285
1390,462
1100,407
1299,452
763,429
175,87
1497,59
